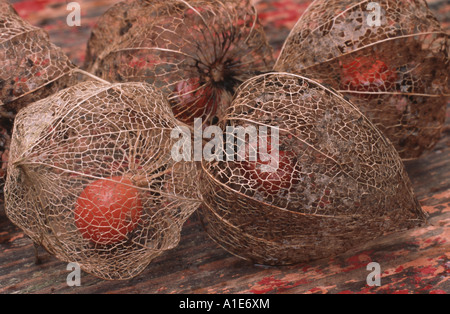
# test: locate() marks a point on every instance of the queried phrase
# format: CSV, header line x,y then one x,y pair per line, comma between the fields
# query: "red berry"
x,y
107,210
194,101
367,75
272,175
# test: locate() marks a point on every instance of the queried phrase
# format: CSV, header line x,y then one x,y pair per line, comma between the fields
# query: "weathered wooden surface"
x,y
416,261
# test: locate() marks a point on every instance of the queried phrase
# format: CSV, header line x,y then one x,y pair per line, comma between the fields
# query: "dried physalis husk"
x,y
31,67
92,180
197,51
389,57
338,181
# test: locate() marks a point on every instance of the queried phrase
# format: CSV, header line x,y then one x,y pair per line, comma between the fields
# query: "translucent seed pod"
x,y
338,181
92,180
390,58
198,52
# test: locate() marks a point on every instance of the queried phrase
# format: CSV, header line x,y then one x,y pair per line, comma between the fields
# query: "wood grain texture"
x,y
416,261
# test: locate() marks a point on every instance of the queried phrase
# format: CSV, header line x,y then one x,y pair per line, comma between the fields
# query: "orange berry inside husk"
x,y
107,210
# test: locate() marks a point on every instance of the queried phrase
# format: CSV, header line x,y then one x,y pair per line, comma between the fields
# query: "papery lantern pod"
x,y
197,51
92,180
346,183
390,58
31,67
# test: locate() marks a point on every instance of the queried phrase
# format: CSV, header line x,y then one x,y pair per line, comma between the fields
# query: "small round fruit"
x,y
367,75
271,176
107,210
194,100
